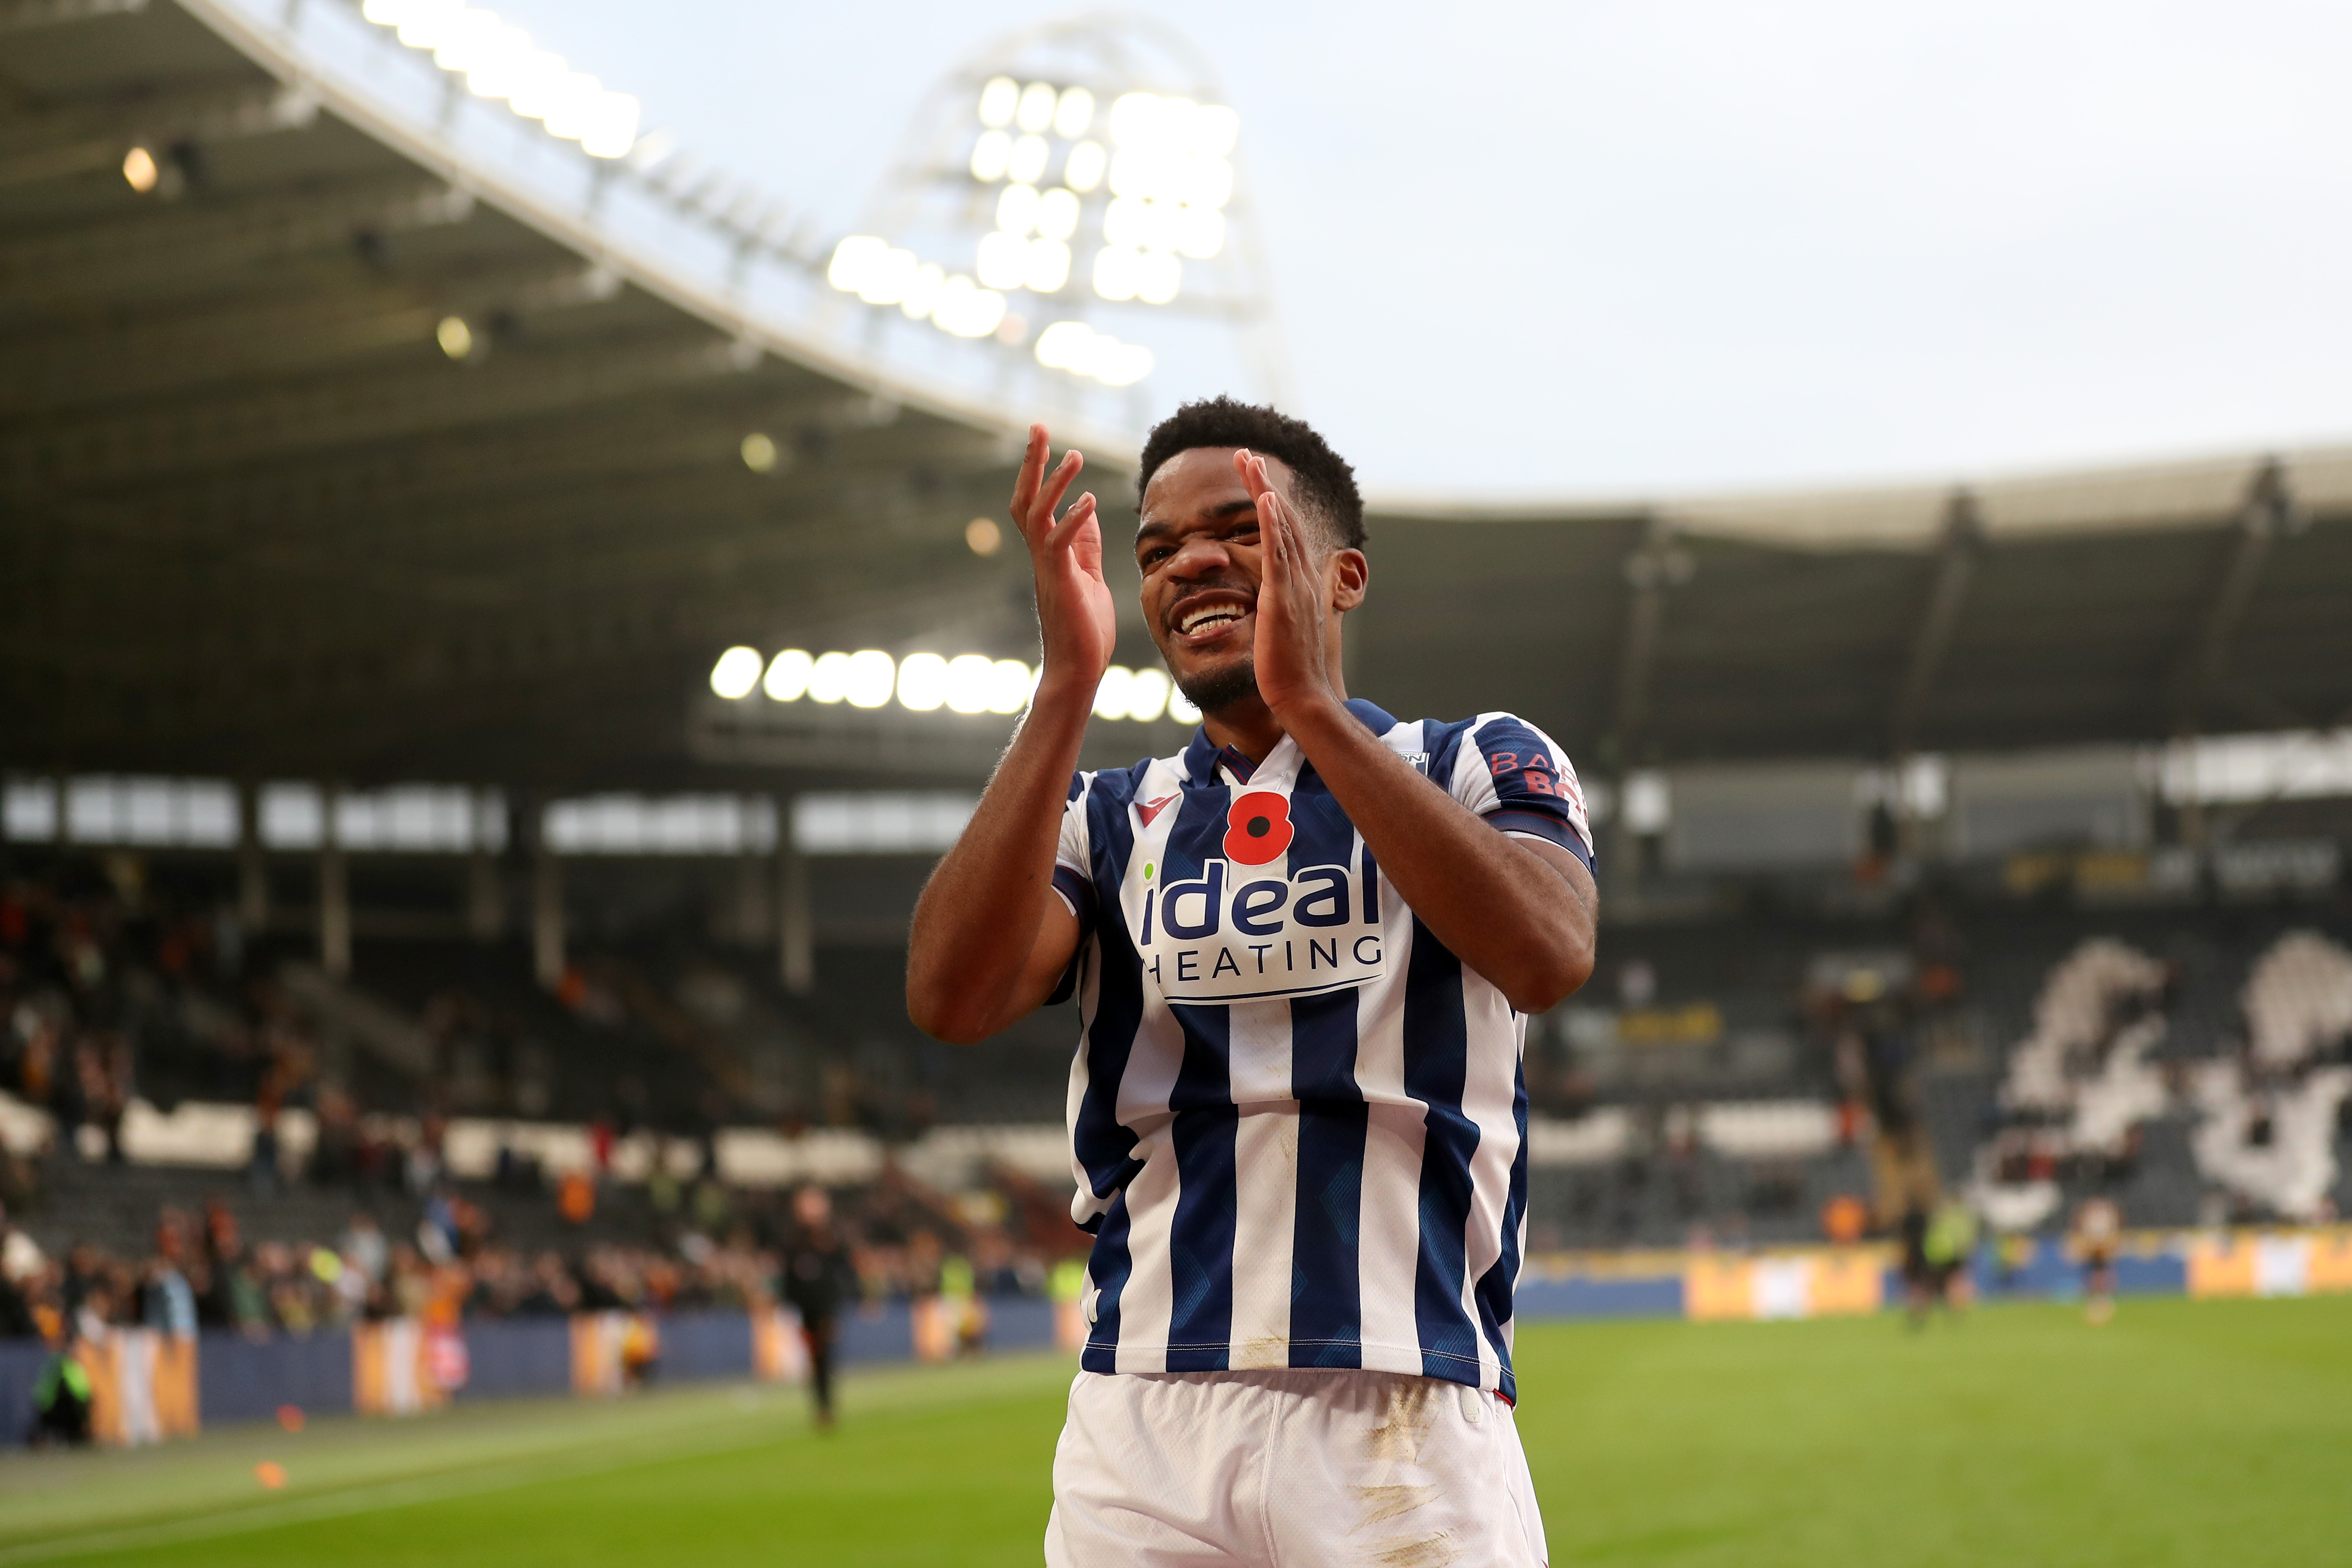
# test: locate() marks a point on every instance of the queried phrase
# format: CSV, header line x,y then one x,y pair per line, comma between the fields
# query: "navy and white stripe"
x,y
1300,1139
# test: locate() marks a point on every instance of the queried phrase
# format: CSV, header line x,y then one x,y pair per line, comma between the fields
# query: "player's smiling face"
x,y
1197,548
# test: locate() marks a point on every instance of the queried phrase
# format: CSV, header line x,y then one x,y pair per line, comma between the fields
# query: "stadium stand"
x,y
1920,906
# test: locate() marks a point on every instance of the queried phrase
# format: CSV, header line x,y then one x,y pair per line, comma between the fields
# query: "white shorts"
x,y
1299,1469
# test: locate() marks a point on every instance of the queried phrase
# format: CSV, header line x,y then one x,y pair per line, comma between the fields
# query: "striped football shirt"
x,y
1297,1121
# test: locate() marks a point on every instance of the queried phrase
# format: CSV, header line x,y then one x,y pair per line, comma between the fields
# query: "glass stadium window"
x,y
675,825
175,812
28,811
292,816
411,817
879,823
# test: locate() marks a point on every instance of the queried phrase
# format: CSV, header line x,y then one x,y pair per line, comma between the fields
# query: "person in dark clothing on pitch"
x,y
818,1279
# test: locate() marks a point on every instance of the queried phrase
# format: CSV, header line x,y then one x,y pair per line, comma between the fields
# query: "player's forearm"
x,y
1497,905
979,917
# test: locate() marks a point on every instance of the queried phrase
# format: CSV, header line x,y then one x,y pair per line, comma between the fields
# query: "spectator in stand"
x,y
817,1279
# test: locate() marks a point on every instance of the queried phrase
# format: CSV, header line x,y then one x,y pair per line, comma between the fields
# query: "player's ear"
x,y
1350,576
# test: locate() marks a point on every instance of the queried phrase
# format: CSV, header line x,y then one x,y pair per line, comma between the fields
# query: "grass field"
x,y
2185,1433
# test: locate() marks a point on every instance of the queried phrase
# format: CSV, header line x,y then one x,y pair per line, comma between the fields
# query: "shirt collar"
x,y
1204,757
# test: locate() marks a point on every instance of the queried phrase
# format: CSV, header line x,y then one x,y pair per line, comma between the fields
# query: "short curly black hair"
x,y
1326,481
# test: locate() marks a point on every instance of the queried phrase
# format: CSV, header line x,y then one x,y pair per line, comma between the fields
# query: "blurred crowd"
x,y
201,1271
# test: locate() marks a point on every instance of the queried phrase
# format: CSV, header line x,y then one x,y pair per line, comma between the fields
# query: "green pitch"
x,y
2185,1433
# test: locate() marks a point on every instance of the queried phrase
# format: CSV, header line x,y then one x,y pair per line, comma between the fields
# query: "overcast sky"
x,y
1660,247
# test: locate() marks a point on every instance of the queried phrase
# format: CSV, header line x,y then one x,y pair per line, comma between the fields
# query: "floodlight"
x,y
1088,164
923,290
966,310
1147,694
888,278
1136,172
1027,163
1183,709
983,536
467,39
1111,695
425,23
737,671
1003,260
829,677
1162,222
139,169
1009,684
990,156
1016,209
1114,272
788,675
569,96
1048,266
970,680
1123,222
1120,365
759,453
853,259
1073,114
611,128
868,680
1065,345
1132,117
1201,232
455,338
998,99
540,86
1215,128
1058,214
1205,182
1158,276
1038,101
923,682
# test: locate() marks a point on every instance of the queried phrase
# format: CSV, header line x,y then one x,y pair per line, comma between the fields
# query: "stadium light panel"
x,y
1058,214
1123,222
788,676
923,682
1088,161
990,156
853,258
1036,110
1162,221
737,671
1158,277
1074,114
887,278
983,536
998,102
1112,692
1027,163
970,684
759,452
1010,683
966,310
923,290
139,169
1201,232
455,338
1114,272
1003,260
1122,364
1181,708
1017,208
869,678
1048,266
1147,694
829,677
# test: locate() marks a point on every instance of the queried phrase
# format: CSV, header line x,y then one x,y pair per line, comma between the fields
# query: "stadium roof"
x,y
259,521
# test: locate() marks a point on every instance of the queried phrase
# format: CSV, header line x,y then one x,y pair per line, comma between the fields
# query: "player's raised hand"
x,y
1292,600
1075,611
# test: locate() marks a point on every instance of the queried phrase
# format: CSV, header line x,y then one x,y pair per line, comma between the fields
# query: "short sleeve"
x,y
1073,869
1518,778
